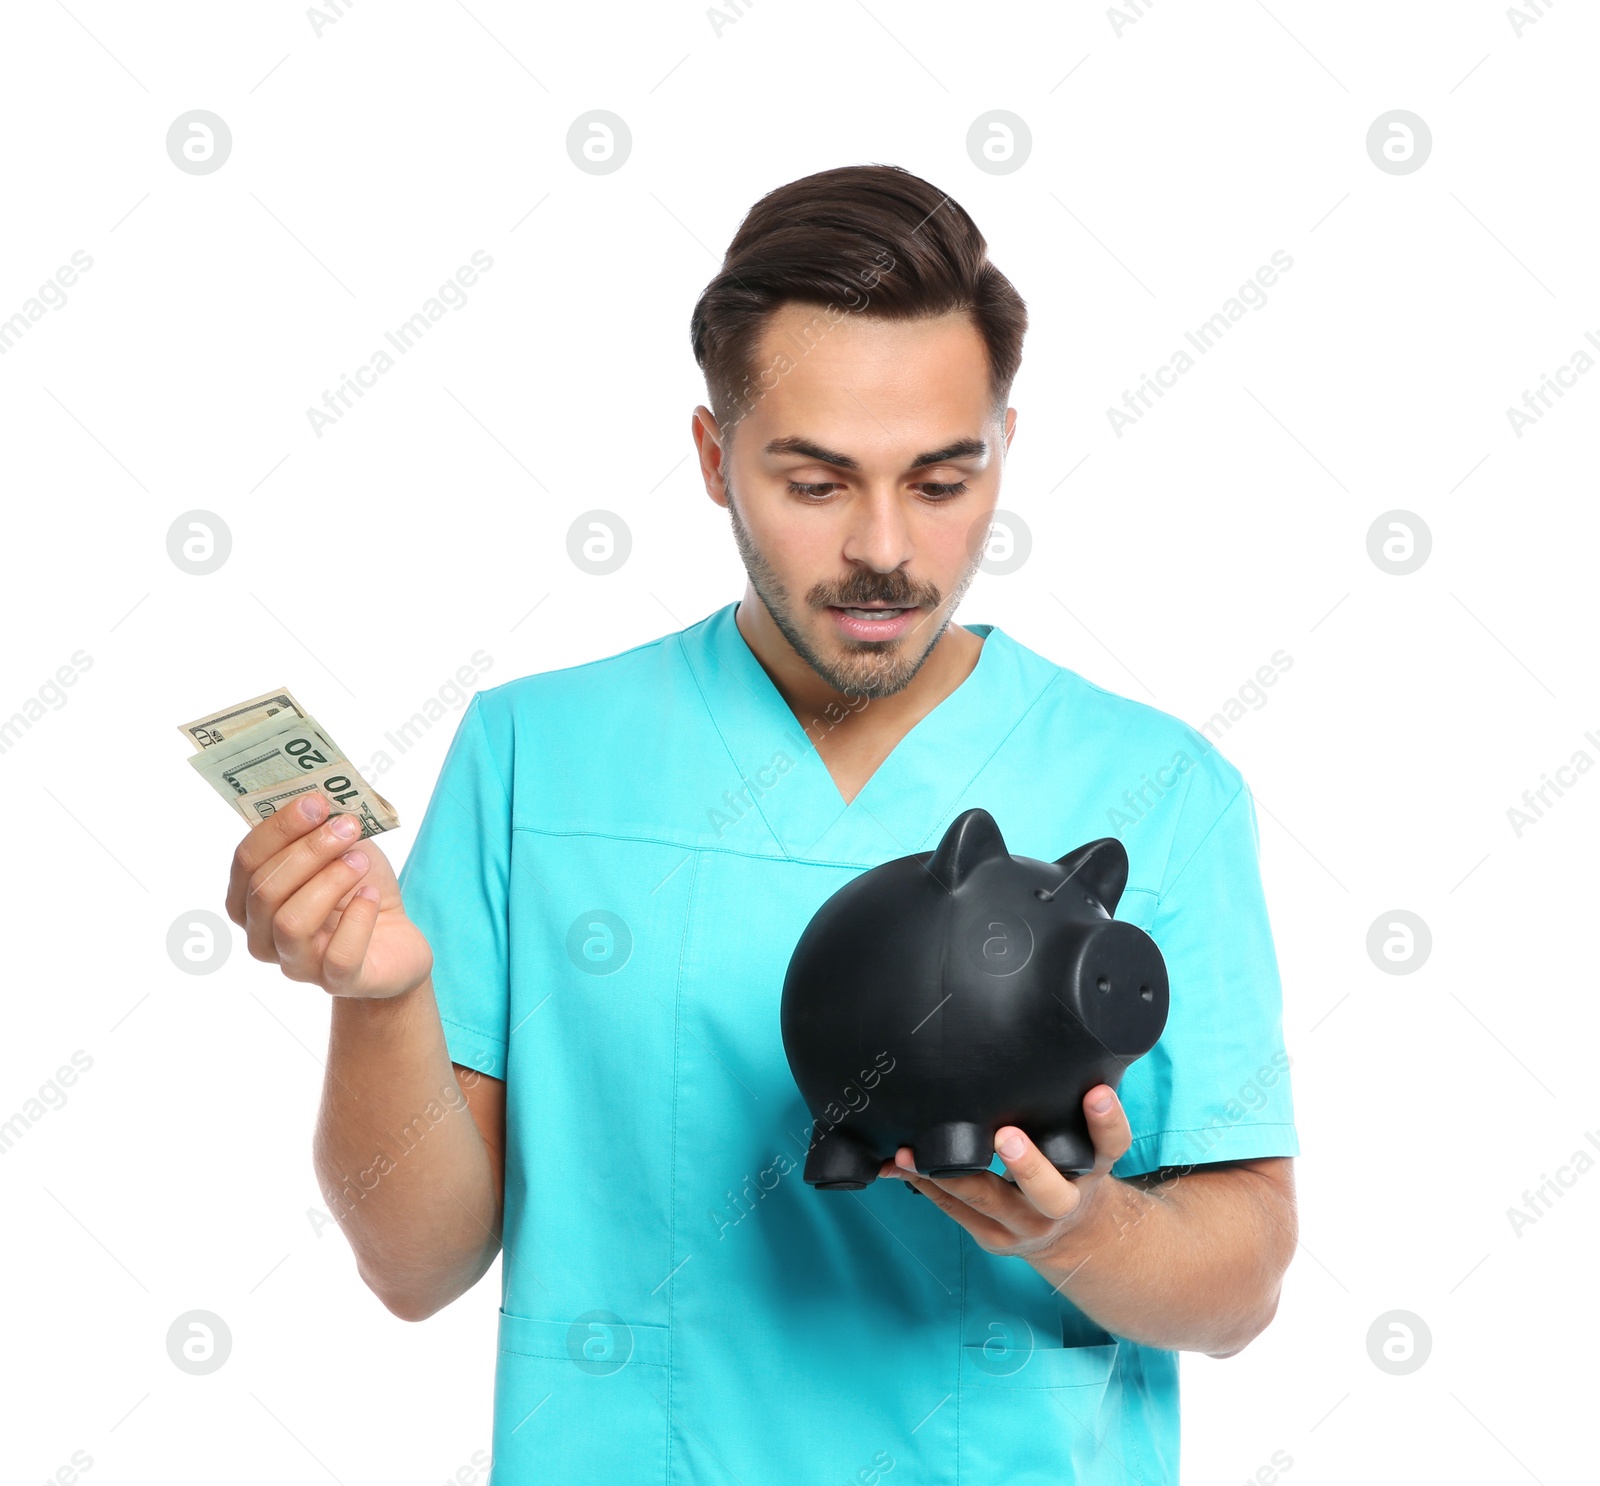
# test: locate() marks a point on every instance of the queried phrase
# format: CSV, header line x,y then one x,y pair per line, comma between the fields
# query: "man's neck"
x,y
862,735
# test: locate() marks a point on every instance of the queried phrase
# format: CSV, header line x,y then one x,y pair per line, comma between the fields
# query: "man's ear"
x,y
709,444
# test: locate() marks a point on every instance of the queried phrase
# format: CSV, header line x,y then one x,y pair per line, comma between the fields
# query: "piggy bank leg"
x,y
1070,1151
839,1160
953,1148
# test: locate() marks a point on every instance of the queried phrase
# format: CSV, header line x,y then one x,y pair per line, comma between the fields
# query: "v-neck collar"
x,y
781,798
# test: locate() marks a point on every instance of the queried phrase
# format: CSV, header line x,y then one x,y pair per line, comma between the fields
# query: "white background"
x,y
1170,157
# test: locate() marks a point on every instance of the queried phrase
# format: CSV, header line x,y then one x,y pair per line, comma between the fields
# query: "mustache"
x,y
865,593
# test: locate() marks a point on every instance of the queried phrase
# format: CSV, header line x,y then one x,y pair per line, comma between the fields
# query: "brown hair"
x,y
862,239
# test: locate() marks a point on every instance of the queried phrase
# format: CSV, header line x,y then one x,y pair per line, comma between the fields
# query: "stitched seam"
x,y
1042,1388
475,1031
696,847
672,1217
1217,1129
1200,846
711,715
788,856
1022,717
705,702
488,747
563,1357
962,1324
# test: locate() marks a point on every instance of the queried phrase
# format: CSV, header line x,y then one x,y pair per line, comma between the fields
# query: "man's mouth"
x,y
873,612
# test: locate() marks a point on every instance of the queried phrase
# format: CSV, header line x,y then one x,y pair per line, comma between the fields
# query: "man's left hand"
x,y
1033,1207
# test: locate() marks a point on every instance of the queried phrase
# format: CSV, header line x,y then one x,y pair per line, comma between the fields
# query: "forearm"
x,y
1192,1264
398,1156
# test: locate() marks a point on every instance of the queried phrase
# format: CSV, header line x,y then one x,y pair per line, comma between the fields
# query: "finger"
x,y
346,954
264,840
301,920
1108,1127
983,1202
1052,1195
942,1192
277,879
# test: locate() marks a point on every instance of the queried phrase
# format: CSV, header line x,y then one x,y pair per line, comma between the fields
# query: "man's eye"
x,y
933,489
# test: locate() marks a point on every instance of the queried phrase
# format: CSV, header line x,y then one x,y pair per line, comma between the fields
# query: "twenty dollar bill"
x,y
263,754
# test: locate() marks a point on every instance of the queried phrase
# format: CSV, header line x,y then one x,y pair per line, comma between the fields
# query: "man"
x,y
588,942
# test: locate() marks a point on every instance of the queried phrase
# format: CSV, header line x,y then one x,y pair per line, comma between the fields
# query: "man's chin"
x,y
870,668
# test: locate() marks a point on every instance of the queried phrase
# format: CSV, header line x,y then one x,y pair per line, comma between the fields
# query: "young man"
x,y
588,942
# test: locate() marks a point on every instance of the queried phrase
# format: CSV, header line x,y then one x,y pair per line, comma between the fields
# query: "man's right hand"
x,y
326,908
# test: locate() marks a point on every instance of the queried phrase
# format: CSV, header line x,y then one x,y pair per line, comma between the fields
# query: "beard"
x,y
862,668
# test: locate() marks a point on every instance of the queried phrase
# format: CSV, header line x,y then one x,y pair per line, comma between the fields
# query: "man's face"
x,y
861,484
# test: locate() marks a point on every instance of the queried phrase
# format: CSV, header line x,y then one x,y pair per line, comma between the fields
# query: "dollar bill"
x,y
262,754
219,727
272,752
345,790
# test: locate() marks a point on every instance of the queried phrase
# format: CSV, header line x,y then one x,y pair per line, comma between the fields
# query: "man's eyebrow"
x,y
968,448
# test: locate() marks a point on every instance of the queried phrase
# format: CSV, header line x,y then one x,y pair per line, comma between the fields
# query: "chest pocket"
x,y
1037,1421
584,1400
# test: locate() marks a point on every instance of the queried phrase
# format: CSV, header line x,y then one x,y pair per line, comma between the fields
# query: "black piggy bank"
x,y
939,996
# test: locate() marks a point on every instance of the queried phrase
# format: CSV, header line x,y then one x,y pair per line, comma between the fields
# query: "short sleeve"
x,y
1216,1085
455,888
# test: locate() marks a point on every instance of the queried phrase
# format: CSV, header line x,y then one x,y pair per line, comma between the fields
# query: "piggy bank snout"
x,y
1122,987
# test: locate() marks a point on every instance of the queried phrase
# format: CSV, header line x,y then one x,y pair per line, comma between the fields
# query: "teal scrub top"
x,y
613,869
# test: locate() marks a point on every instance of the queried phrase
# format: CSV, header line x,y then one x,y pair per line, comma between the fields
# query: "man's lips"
x,y
889,622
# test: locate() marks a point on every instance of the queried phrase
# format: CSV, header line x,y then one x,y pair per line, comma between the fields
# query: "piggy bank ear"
x,y
973,837
1100,868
